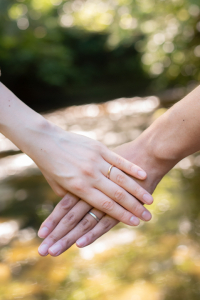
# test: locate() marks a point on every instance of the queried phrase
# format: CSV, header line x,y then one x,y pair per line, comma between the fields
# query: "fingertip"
x,y
51,253
146,216
148,199
43,250
43,255
81,242
43,232
55,250
77,244
141,174
134,221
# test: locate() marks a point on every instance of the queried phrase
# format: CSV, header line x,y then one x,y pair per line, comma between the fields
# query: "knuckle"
x,y
99,147
137,190
94,157
101,150
108,205
69,197
106,224
66,204
53,238
97,179
119,161
51,220
78,185
68,201
88,170
123,216
132,168
119,195
120,179
138,208
90,237
65,243
86,224
70,219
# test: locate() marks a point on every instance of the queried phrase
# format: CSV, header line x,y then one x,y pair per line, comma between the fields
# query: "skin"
x,y
69,223
74,163
173,136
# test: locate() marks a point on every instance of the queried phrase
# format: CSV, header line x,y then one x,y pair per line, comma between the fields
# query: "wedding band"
x,y
94,216
109,170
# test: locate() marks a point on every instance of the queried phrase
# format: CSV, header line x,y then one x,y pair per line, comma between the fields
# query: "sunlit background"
x,y
89,51
64,58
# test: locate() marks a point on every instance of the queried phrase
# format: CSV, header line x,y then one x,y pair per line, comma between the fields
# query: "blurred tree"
x,y
55,52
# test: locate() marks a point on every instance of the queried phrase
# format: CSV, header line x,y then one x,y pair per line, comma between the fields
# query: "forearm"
x,y
72,162
18,122
176,134
173,136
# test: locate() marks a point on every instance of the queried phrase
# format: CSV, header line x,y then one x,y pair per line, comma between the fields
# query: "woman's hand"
x,y
80,165
74,163
170,138
70,222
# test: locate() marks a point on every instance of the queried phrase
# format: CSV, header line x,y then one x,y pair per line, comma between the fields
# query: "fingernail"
x,y
43,249
146,215
148,198
81,242
134,220
43,232
55,249
142,174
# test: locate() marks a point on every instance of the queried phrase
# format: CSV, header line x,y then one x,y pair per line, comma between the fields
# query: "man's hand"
x,y
70,221
173,136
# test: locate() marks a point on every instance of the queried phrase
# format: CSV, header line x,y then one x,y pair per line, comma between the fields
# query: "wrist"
x,y
162,140
27,129
142,153
35,136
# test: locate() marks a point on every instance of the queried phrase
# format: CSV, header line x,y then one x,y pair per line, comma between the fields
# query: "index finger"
x,y
104,225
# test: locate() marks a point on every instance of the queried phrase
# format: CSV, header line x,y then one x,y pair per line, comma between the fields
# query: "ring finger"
x,y
123,198
105,224
128,183
85,225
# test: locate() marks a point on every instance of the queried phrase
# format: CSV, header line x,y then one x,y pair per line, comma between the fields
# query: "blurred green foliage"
x,y
55,52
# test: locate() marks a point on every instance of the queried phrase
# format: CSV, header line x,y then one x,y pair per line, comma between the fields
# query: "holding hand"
x,y
67,223
74,163
70,220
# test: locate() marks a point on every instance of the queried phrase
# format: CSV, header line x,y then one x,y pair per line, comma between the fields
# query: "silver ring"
x,y
94,216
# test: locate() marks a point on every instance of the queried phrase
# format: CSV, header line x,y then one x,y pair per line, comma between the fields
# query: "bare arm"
x,y
176,134
173,136
170,138
71,162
